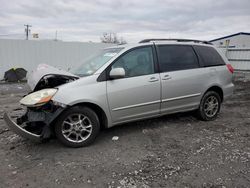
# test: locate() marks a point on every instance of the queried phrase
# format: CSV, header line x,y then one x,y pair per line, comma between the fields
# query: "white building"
x,y
237,40
236,48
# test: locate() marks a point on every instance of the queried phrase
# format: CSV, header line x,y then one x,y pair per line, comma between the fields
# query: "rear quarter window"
x,y
208,56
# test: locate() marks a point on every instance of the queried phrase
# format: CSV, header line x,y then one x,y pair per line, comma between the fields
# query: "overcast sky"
x,y
86,20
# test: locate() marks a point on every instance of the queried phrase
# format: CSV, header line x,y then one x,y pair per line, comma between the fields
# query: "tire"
x,y
204,113
77,127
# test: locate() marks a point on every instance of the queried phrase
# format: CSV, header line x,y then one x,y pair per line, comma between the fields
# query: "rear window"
x,y
209,56
176,57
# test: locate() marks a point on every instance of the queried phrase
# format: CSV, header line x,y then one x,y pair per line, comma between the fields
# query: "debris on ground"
x,y
114,138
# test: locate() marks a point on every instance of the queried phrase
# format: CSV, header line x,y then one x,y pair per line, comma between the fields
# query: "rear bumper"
x,y
228,91
19,130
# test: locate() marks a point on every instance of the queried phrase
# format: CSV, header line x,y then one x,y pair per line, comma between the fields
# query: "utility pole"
x,y
56,36
27,31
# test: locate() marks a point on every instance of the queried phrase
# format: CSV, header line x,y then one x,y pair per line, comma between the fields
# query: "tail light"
x,y
230,68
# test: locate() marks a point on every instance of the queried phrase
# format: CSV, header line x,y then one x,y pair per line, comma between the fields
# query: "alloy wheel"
x,y
77,128
211,106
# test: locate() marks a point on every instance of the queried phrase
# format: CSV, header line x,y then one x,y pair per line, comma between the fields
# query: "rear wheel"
x,y
209,106
77,127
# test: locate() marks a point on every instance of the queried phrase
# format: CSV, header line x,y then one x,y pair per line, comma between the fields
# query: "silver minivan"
x,y
121,84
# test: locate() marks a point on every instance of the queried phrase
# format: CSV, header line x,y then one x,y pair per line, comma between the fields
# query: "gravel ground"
x,y
171,151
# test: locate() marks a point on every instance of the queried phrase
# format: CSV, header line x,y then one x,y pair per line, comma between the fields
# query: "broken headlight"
x,y
38,98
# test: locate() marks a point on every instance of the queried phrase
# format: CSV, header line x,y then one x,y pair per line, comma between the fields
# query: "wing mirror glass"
x,y
117,73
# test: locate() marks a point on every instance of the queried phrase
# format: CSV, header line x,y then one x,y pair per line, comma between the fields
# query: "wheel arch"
x,y
218,90
98,110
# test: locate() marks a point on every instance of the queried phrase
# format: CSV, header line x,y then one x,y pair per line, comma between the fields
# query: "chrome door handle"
x,y
166,77
153,79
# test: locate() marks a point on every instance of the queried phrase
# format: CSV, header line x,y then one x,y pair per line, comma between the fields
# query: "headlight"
x,y
38,98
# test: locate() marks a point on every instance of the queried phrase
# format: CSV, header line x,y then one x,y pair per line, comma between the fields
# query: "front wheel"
x,y
209,106
77,127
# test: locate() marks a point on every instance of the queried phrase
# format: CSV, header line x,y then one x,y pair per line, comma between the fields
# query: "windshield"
x,y
91,65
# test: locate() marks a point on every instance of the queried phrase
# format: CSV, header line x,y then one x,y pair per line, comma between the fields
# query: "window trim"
x,y
104,76
195,55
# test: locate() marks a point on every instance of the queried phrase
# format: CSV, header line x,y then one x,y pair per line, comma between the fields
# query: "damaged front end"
x,y
35,123
45,76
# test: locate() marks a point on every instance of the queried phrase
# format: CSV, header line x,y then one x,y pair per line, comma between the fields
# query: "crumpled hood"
x,y
43,73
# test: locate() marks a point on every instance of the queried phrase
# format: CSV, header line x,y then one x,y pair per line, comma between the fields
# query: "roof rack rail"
x,y
177,40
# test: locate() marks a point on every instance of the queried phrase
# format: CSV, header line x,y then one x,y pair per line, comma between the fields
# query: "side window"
x,y
209,56
176,57
137,62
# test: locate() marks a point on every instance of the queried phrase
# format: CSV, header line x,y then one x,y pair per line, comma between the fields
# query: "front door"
x,y
138,94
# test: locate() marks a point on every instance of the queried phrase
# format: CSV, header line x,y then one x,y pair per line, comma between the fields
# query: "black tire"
x,y
71,112
201,112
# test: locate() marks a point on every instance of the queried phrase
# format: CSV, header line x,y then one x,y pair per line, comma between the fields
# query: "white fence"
x,y
239,58
28,54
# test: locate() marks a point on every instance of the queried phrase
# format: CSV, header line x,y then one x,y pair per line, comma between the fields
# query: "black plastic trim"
x,y
102,77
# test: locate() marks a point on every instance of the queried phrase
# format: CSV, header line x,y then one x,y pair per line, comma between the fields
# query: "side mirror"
x,y
117,73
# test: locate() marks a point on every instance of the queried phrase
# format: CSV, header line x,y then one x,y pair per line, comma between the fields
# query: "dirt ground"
x,y
171,151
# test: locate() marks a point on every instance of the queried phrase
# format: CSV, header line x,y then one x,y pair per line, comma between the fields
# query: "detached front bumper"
x,y
21,131
35,124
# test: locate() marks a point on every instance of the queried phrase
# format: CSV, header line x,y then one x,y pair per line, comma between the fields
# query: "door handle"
x,y
166,77
153,79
